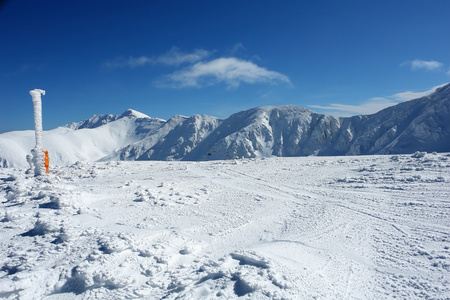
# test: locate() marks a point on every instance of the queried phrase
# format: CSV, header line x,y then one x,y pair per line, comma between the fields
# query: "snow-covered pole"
x,y
38,154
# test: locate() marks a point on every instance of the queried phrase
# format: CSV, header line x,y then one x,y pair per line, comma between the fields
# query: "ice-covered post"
x,y
38,152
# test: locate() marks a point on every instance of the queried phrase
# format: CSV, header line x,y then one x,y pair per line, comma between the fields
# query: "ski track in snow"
x,y
361,227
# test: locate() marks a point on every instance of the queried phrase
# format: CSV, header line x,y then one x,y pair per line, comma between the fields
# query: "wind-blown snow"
x,y
365,227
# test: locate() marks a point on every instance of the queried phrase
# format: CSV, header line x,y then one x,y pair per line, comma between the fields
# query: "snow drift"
x,y
416,125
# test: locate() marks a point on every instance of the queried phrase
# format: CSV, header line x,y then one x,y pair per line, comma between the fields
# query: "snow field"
x,y
365,227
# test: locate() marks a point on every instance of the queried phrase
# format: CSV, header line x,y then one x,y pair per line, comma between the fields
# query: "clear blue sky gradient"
x,y
214,57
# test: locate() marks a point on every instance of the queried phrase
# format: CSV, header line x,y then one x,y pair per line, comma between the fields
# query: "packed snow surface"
x,y
366,227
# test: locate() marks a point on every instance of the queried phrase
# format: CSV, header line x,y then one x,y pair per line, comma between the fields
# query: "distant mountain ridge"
x,y
99,120
417,125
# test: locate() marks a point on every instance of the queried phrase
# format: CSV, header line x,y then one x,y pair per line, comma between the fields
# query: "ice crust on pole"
x,y
37,151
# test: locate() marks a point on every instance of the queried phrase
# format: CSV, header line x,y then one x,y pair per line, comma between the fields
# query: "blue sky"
x,y
216,57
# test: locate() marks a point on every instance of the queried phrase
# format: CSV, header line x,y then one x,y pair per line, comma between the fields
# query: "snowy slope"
x,y
138,149
266,131
182,139
351,227
100,120
417,125
89,140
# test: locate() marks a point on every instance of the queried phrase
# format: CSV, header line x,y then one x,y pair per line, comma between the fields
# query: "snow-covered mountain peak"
x,y
93,122
133,113
100,120
416,125
443,90
285,110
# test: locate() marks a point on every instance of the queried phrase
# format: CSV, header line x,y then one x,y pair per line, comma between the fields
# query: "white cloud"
x,y
231,71
174,57
236,48
201,71
424,64
122,62
374,105
367,108
408,95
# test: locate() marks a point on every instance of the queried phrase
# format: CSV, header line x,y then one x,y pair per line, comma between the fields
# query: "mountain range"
x,y
417,125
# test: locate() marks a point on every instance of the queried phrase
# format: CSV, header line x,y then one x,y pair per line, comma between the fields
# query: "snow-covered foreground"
x,y
368,227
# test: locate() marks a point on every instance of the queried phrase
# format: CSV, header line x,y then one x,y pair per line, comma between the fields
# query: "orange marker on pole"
x,y
46,162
